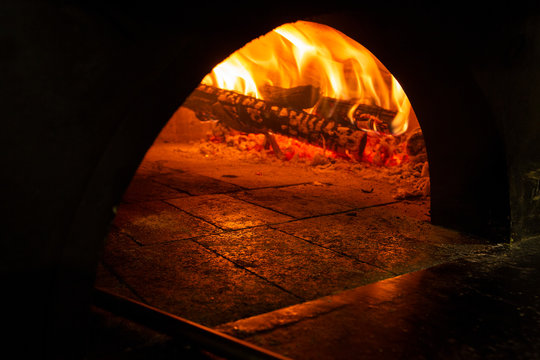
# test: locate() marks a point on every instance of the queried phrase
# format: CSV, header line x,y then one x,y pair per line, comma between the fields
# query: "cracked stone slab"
x,y
253,176
380,237
152,167
297,201
143,188
155,222
304,269
227,212
195,184
418,209
107,280
311,199
245,174
186,279
116,239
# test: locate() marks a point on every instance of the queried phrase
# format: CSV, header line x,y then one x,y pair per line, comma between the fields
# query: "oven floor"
x,y
216,240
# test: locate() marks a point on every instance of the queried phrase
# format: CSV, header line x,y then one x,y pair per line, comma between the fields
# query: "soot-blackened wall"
x,y
87,86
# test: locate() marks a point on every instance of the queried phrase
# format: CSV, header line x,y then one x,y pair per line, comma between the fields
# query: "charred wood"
x,y
296,98
415,143
369,117
248,114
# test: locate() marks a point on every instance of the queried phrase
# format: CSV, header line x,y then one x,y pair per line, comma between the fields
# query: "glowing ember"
x,y
380,150
306,53
384,150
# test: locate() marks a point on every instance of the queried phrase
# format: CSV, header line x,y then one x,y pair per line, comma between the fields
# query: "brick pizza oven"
x,y
89,86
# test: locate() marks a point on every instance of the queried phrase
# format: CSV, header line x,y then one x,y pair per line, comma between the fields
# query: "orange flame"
x,y
307,53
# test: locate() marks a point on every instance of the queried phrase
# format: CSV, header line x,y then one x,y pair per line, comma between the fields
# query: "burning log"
x,y
296,98
369,117
366,117
248,114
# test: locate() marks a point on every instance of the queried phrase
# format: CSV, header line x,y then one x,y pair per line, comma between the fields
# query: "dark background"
x,y
87,86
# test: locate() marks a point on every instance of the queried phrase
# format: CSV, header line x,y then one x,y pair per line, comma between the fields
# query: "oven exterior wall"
x,y
89,86
509,75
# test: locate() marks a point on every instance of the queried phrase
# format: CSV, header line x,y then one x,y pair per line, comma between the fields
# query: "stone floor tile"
x,y
116,239
312,199
228,212
418,209
153,167
253,176
304,269
378,237
186,279
155,222
297,201
361,193
195,184
107,280
145,189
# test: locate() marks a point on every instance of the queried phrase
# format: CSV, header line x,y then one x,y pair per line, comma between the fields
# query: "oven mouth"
x,y
225,221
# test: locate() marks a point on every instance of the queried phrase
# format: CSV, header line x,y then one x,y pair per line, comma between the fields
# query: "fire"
x,y
307,53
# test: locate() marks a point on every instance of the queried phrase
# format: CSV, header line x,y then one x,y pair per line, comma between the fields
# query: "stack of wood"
x,y
332,124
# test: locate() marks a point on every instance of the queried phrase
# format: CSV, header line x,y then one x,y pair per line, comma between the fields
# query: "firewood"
x,y
248,114
370,117
201,103
415,143
297,98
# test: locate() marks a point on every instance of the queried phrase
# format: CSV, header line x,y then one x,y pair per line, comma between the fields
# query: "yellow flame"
x,y
307,53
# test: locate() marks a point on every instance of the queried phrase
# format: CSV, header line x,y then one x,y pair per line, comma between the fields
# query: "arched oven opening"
x,y
295,170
